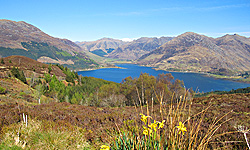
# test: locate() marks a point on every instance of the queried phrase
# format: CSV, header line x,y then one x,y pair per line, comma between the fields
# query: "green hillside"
x,y
99,52
36,50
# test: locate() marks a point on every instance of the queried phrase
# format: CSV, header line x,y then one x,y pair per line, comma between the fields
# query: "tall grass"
x,y
43,135
174,127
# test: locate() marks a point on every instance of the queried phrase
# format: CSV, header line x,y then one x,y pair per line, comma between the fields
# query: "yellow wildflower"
x,y
144,118
161,124
153,125
181,128
147,131
104,147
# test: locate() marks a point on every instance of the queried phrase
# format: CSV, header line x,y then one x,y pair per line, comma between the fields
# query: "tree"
x,y
144,85
108,89
47,77
148,89
73,100
40,91
2,61
49,68
128,89
20,75
15,72
69,76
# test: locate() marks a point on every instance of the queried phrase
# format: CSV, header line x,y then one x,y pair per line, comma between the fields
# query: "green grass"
x,y
3,146
43,135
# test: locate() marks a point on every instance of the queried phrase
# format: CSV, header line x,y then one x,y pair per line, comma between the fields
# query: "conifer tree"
x,y
22,77
2,62
19,75
50,69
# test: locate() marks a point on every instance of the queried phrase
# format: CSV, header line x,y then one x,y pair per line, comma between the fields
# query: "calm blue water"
x,y
194,80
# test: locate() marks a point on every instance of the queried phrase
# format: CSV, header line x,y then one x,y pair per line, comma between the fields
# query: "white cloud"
x,y
150,11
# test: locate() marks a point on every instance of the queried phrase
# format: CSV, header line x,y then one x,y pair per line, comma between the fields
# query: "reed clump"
x,y
172,126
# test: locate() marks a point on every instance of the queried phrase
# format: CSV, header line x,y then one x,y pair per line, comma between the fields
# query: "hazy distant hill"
x,y
135,49
102,46
194,52
114,48
21,38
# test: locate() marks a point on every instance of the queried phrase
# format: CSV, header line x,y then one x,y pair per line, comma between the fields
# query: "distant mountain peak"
x,y
190,33
106,38
21,38
195,52
12,33
136,48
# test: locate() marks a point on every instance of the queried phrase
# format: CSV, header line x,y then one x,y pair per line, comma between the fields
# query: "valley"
x,y
46,104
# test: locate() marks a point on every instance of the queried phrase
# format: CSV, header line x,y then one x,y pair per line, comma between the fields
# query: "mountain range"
x,y
135,49
118,49
104,44
194,52
187,52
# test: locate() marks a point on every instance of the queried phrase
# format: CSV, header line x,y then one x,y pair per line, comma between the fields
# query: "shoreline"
x,y
230,78
227,78
90,69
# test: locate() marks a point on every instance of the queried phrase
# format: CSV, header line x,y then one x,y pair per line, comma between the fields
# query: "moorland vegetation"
x,y
75,112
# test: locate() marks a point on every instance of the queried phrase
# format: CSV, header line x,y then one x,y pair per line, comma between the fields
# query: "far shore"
x,y
231,78
90,69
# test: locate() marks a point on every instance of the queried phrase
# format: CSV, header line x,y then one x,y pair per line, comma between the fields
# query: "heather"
x,y
140,113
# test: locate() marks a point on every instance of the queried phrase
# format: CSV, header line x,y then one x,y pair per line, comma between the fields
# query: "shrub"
x,y
49,68
20,75
2,61
2,90
22,94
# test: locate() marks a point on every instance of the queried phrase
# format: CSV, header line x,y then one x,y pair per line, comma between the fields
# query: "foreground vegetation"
x,y
140,113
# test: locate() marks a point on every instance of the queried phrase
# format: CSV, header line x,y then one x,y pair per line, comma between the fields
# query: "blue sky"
x,y
88,20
